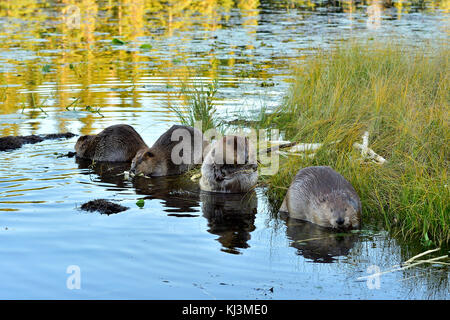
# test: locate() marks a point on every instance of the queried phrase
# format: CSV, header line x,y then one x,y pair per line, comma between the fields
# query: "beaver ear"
x,y
149,154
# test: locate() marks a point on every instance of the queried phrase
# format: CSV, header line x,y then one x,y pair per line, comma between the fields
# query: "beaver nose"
x,y
340,221
133,170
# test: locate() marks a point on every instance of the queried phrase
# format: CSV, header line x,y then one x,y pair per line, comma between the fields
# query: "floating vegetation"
x,y
146,46
103,206
117,42
140,203
94,110
46,68
267,84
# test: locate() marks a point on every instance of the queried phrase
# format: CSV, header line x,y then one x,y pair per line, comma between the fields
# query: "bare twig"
x,y
421,255
409,263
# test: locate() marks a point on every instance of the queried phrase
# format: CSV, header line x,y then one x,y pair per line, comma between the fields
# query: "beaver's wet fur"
x,y
15,142
117,143
322,196
159,159
230,166
103,206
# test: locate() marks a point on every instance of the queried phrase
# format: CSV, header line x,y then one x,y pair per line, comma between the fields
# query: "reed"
x,y
199,106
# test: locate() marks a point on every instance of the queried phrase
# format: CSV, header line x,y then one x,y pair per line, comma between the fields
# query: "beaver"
x,y
117,143
230,166
170,156
322,196
15,142
319,246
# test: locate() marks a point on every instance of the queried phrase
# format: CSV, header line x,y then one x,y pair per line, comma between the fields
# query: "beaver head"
x,y
147,162
339,210
82,144
230,166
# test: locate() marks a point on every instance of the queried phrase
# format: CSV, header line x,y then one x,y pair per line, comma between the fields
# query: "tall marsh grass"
x,y
402,98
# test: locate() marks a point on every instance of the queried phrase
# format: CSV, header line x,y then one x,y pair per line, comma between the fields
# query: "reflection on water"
x,y
317,243
157,251
128,58
81,66
180,195
108,173
231,217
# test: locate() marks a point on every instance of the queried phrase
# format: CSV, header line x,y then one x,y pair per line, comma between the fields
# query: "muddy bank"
x,y
103,206
16,142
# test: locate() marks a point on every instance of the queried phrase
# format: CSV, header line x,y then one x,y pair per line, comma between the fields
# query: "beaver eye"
x,y
149,154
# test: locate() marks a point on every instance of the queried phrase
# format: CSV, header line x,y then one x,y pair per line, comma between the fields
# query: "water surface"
x,y
182,244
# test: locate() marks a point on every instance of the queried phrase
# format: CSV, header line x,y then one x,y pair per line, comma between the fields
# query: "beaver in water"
x,y
324,197
118,143
170,156
15,142
230,166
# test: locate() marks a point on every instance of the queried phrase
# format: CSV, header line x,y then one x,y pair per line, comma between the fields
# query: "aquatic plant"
x,y
199,106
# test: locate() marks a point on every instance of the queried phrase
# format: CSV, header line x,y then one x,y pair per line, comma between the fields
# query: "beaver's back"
x,y
117,143
164,147
320,180
312,183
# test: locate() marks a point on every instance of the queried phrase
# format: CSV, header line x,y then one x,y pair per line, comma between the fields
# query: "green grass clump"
x,y
200,106
402,98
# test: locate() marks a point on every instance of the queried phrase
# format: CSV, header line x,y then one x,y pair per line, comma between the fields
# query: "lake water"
x,y
57,58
